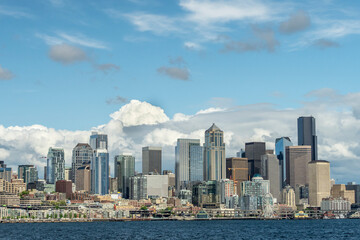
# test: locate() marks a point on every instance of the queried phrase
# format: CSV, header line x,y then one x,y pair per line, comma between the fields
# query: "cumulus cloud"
x,y
192,46
107,67
138,124
5,74
140,113
67,54
299,21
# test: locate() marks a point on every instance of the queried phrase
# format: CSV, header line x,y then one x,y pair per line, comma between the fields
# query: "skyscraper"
x,y
28,173
83,178
253,152
98,141
214,158
307,134
237,170
124,168
55,169
100,172
99,164
151,160
297,159
81,154
319,181
270,170
189,158
280,145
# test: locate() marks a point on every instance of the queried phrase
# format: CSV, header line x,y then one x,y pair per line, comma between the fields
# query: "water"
x,y
232,229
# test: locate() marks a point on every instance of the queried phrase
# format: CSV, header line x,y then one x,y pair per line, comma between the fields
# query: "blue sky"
x,y
139,37
147,72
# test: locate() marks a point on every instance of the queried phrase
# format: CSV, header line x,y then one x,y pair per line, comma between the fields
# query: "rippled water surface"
x,y
233,229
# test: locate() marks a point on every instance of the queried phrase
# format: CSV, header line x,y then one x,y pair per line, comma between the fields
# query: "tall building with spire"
x,y
307,134
214,154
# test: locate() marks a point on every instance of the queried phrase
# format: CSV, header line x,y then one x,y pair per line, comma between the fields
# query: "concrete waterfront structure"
x,y
83,178
214,154
270,170
336,205
253,152
237,170
149,186
124,168
189,163
307,134
288,197
28,173
280,151
340,191
151,160
356,188
82,154
55,169
297,158
319,181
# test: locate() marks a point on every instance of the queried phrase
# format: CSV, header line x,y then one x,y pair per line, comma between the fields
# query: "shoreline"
x,y
148,219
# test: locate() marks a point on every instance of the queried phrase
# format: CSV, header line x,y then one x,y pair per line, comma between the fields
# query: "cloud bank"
x,y
139,124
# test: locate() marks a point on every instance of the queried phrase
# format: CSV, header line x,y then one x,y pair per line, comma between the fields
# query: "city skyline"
x,y
148,72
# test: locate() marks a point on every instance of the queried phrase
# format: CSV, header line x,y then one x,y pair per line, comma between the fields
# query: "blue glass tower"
x,y
100,172
280,145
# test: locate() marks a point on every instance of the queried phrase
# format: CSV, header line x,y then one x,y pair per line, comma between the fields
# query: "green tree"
x,y
70,215
65,215
61,215
143,208
75,215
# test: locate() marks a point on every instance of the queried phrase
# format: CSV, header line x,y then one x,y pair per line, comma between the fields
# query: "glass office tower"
x,y
280,145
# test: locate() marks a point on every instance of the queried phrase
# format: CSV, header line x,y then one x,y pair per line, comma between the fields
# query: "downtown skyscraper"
x,y
81,154
55,169
189,159
151,160
99,164
307,134
124,168
214,154
280,146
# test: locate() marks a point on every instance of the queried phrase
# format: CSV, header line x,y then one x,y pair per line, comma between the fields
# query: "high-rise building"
x,y
151,160
253,152
68,173
307,134
288,197
297,159
113,183
100,172
83,178
254,193
149,186
124,168
206,194
270,170
64,186
319,181
340,191
82,154
28,173
237,170
227,190
189,158
55,165
5,173
280,146
356,188
98,141
214,158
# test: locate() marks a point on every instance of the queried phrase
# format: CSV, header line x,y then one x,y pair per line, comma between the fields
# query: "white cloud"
x,y
76,39
193,46
140,113
67,54
15,13
137,124
5,74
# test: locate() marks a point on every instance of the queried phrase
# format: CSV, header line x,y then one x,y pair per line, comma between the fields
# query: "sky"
x,y
147,72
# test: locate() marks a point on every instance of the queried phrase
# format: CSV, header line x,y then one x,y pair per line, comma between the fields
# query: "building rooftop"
x,y
213,128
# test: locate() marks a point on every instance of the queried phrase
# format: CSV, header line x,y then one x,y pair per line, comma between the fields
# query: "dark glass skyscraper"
x,y
307,134
253,152
280,145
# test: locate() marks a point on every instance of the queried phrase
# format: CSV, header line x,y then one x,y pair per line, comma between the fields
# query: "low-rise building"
x,y
336,205
340,191
9,199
